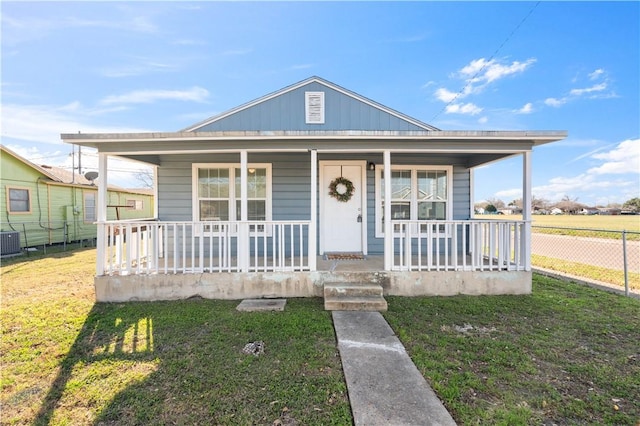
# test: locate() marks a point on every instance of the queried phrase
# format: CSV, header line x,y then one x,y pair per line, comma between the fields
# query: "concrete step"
x,y
355,303
352,290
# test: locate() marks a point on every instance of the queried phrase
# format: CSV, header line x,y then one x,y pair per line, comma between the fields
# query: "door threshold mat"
x,y
344,256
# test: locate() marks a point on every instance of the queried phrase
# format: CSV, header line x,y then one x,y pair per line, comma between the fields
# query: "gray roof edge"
x,y
297,85
302,134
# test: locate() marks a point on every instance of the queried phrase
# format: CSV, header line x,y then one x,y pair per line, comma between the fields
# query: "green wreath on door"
x,y
341,189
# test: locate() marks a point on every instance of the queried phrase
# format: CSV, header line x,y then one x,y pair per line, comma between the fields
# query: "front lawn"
x,y
567,354
66,360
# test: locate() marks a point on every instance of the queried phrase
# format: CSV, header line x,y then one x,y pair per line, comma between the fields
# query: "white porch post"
x,y
101,216
388,229
243,232
526,209
313,226
155,191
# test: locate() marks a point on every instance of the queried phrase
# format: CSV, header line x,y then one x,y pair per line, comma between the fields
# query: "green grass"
x,y
66,360
566,354
587,272
597,223
613,223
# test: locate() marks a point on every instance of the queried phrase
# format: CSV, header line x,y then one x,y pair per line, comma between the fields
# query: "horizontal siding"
x,y
291,181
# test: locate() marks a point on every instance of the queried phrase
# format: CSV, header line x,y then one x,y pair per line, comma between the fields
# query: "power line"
x,y
487,62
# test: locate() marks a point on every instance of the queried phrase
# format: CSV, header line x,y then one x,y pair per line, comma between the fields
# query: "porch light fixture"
x,y
371,165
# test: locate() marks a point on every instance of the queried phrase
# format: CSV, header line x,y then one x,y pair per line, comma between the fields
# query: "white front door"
x,y
343,223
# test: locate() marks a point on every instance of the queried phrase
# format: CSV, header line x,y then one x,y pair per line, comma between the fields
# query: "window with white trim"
x,y
18,200
417,193
217,192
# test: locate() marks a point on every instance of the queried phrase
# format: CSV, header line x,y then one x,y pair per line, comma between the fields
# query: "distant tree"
x,y
632,204
539,203
145,177
490,208
569,205
496,202
516,203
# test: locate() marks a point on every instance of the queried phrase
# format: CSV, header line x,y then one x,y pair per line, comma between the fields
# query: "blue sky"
x,y
146,66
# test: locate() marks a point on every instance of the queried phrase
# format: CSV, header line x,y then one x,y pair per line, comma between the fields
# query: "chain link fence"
x,y
598,255
19,237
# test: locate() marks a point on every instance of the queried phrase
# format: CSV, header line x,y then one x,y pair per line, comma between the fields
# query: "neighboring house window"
x,y
19,200
135,204
90,207
314,107
417,193
217,192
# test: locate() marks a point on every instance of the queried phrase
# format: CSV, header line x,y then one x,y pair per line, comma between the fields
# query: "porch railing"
x,y
150,247
478,245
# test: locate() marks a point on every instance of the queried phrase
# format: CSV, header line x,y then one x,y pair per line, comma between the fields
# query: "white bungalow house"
x,y
286,194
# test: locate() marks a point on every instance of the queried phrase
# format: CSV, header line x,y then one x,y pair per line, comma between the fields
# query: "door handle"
x,y
359,218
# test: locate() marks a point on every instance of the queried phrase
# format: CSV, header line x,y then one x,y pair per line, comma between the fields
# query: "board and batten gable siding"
x,y
290,185
286,111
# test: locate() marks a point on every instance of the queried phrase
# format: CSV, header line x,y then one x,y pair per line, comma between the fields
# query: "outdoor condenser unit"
x,y
9,242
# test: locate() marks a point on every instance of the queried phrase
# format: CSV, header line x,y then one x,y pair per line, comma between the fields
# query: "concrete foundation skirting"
x,y
234,286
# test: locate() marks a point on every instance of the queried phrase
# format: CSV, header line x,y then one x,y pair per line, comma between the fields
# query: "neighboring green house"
x,y
50,205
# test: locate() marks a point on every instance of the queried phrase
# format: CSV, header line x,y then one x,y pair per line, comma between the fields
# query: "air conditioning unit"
x,y
9,242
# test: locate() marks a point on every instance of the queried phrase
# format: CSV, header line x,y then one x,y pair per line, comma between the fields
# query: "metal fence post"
x,y
624,262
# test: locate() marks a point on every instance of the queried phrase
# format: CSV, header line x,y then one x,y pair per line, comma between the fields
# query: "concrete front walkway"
x,y
385,387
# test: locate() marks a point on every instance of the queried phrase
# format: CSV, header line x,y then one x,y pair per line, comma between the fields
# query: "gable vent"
x,y
314,107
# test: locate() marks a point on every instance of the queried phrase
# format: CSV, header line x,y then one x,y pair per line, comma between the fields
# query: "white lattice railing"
x,y
474,245
150,247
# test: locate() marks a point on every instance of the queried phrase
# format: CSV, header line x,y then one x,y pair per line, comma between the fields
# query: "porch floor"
x,y
370,263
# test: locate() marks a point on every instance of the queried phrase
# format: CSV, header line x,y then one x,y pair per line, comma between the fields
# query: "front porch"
x,y
151,260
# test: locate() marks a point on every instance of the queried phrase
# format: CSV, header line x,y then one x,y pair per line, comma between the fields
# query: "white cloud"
x,y
580,185
599,90
596,74
624,158
444,95
17,30
195,94
509,194
483,120
554,102
526,109
590,153
595,88
140,67
481,70
477,75
468,108
44,123
120,172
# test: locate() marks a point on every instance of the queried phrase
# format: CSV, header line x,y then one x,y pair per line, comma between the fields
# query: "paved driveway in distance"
x,y
602,252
